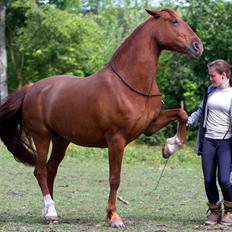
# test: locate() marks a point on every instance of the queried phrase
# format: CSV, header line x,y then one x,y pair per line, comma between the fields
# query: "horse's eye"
x,y
173,21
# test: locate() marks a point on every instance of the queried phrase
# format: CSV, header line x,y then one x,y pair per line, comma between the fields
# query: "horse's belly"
x,y
89,142
82,136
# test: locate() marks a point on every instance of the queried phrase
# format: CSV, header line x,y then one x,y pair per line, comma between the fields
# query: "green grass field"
x,y
81,192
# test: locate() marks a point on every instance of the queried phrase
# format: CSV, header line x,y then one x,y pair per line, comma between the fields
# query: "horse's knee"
x,y
183,115
151,129
114,182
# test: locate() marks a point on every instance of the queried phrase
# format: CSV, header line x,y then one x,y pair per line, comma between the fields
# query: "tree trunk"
x,y
3,56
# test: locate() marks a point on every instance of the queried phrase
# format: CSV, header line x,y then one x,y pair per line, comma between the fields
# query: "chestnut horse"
x,y
110,108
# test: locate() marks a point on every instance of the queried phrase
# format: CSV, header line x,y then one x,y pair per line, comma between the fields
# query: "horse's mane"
x,y
129,38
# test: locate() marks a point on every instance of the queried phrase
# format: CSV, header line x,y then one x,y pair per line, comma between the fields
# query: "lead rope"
x,y
161,175
156,186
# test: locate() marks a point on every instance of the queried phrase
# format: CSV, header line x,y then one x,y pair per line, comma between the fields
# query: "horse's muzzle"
x,y
195,50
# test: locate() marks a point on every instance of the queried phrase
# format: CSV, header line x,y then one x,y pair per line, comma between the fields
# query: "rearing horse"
x,y
107,109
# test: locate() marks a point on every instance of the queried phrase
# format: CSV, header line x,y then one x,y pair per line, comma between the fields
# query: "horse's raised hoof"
x,y
171,146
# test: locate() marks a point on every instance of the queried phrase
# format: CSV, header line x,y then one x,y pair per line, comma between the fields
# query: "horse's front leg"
x,y
164,118
115,152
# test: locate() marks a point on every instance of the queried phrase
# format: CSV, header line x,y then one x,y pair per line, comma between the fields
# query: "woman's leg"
x,y
209,167
224,168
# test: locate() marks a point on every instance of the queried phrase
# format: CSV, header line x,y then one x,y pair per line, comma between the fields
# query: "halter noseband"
x,y
129,86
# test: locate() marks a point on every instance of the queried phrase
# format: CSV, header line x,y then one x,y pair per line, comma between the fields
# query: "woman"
x,y
214,140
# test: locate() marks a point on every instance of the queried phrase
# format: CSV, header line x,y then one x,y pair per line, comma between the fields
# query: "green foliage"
x,y
68,5
57,42
48,41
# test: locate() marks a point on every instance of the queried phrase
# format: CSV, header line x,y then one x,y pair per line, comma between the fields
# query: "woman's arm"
x,y
195,117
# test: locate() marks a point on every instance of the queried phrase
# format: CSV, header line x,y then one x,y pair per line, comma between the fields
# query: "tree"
x,y
67,5
3,56
15,19
54,41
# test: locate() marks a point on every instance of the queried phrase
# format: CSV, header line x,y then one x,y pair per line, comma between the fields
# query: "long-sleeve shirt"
x,y
218,119
200,117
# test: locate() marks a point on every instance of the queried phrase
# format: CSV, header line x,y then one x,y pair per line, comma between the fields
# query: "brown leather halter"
x,y
129,86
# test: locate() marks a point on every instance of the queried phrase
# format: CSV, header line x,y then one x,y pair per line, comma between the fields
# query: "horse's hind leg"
x,y
59,146
42,146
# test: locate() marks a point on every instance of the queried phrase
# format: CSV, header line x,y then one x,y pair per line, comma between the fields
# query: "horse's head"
x,y
172,33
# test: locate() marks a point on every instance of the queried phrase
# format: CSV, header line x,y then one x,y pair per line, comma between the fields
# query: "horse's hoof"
x,y
51,219
49,215
117,224
171,146
114,220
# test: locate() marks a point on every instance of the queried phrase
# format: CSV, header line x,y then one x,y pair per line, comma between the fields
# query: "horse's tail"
x,y
12,132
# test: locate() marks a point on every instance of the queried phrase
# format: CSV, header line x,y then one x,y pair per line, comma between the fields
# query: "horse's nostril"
x,y
196,46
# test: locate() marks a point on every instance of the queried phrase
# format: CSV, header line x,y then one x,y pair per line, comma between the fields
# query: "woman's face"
x,y
216,78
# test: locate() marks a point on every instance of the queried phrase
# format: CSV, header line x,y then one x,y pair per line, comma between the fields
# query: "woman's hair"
x,y
222,66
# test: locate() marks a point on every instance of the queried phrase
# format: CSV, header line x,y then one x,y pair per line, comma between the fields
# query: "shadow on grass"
x,y
165,220
7,217
153,223
31,219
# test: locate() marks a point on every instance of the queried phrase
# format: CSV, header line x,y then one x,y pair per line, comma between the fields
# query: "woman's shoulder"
x,y
211,88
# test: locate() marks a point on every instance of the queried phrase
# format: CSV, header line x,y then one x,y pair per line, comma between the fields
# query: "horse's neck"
x,y
136,59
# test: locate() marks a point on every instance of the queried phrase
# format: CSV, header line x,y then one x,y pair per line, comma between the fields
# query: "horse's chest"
x,y
138,123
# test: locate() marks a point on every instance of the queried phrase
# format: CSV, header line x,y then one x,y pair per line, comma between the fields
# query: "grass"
x,y
81,192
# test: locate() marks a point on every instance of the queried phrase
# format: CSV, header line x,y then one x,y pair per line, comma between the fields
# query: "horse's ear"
x,y
154,13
